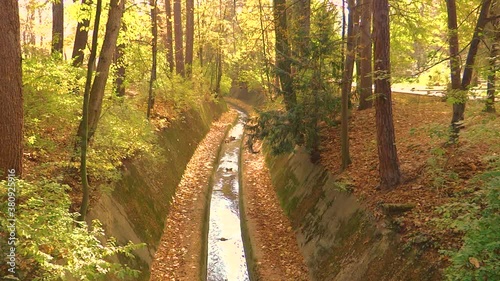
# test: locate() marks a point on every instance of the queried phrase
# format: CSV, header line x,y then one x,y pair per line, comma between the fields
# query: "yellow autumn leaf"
x,y
474,262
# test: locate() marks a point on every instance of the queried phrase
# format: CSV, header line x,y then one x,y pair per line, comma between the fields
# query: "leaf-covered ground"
x,y
434,174
178,255
274,242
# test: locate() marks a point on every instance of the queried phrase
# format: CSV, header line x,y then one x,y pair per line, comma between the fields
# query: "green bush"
x,y
479,218
52,103
51,244
122,133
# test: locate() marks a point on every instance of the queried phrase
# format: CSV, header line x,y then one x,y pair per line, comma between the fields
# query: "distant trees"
x,y
189,35
154,51
347,82
81,35
493,58
11,107
365,55
119,62
58,27
390,175
169,35
179,48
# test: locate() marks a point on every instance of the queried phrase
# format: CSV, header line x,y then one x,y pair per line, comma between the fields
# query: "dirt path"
x,y
179,254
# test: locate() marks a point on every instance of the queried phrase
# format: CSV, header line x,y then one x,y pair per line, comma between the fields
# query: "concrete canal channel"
x,y
226,259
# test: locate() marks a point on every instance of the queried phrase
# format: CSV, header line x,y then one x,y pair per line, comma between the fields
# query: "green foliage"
x,y
52,99
123,133
436,168
280,130
51,244
479,219
418,28
456,96
315,88
52,106
486,131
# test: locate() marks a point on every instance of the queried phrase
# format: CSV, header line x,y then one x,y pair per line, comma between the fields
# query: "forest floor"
x,y
434,174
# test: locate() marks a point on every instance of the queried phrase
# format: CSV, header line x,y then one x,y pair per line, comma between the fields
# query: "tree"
x,y
81,35
120,70
301,29
189,34
58,27
105,58
85,115
459,88
11,107
263,36
179,49
365,55
283,56
390,175
154,44
169,36
347,82
492,63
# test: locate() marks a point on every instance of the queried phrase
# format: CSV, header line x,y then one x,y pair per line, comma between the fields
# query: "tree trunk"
x,y
490,99
189,35
179,49
200,41
390,175
105,58
29,37
81,37
453,42
218,71
302,30
283,59
11,107
493,68
365,56
461,92
120,70
85,114
347,84
58,27
154,44
482,20
268,85
169,36
454,65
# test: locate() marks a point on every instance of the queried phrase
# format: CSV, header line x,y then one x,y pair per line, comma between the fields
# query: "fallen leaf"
x,y
474,262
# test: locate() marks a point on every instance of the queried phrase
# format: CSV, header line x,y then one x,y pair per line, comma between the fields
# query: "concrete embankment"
x,y
337,236
136,209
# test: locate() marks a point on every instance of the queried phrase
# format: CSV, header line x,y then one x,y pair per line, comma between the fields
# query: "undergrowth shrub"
x,y
53,93
122,134
52,102
51,244
478,218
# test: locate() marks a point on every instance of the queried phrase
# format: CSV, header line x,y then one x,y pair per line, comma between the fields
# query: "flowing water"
x,y
226,255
